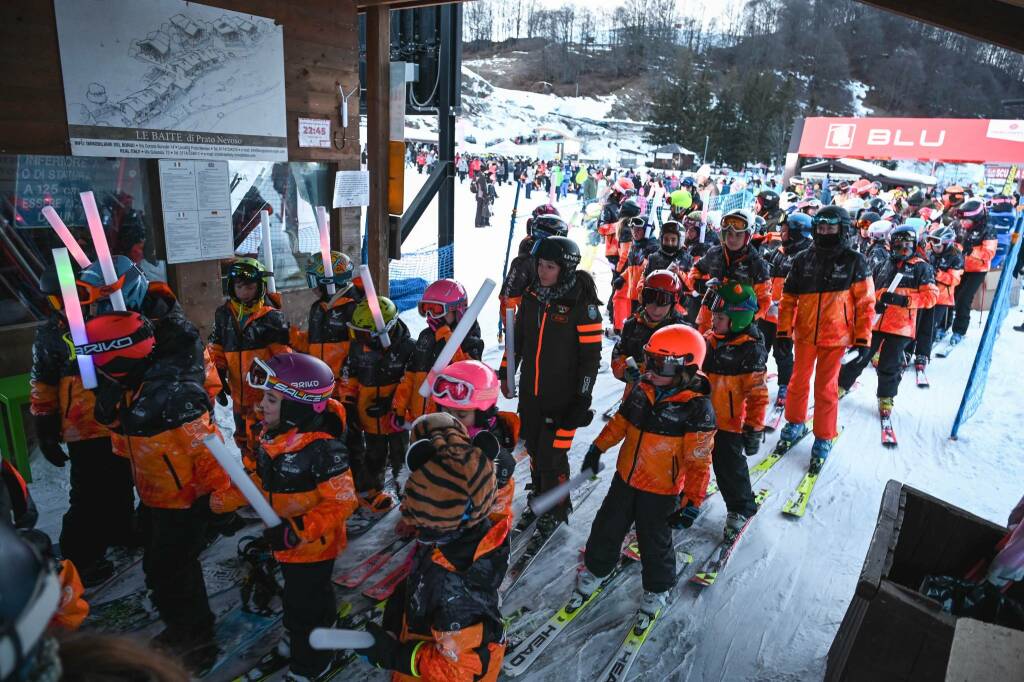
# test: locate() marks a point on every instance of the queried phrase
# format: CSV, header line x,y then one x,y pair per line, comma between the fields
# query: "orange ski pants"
x,y
824,363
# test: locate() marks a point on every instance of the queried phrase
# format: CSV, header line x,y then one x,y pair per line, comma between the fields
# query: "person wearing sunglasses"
x,y
543,222
828,303
979,244
159,415
659,297
370,377
443,304
245,327
301,466
735,260
896,311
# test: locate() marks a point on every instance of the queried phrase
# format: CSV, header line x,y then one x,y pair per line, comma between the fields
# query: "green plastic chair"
x,y
14,395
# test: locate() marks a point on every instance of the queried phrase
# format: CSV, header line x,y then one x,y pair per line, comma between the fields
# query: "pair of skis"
x,y
371,565
707,574
761,469
796,505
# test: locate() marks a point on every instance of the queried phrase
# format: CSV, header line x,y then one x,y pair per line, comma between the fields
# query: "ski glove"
x,y
631,374
281,537
618,283
889,298
685,515
387,653
579,414
48,431
751,440
591,460
379,408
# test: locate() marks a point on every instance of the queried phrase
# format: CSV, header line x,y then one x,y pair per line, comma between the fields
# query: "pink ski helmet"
x,y
302,380
467,384
440,298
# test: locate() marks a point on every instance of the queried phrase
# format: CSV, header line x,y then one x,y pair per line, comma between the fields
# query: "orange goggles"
x,y
89,294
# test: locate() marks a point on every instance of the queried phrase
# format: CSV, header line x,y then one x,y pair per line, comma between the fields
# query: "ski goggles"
x,y
637,223
90,293
243,272
666,365
96,347
262,377
456,390
365,335
828,220
433,310
734,224
316,278
691,224
656,297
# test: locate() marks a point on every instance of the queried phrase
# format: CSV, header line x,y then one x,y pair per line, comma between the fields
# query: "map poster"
x,y
171,79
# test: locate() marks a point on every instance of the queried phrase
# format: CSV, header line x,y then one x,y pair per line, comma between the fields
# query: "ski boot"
x,y
940,334
547,524
586,584
734,522
651,605
875,358
920,362
378,501
292,676
819,453
885,407
780,397
793,431
955,339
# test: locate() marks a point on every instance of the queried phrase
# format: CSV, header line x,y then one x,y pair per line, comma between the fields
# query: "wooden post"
x,y
378,79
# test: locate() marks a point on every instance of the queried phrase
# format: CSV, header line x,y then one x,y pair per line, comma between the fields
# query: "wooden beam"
x,y
378,81
992,21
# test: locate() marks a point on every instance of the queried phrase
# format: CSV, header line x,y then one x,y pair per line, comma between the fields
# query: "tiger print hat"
x,y
452,483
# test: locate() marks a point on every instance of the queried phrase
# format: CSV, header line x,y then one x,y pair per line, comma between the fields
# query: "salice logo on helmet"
x,y
840,135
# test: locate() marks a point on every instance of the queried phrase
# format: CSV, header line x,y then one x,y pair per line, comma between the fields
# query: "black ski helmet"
x,y
630,208
769,200
560,250
549,225
877,204
916,199
836,215
671,227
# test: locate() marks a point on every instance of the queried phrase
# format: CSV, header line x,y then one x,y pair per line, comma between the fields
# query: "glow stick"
x,y
233,467
704,199
99,242
545,502
73,311
458,335
895,282
510,350
374,303
268,251
65,236
323,222
331,638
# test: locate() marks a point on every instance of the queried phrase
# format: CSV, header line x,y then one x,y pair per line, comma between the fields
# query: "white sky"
x,y
712,9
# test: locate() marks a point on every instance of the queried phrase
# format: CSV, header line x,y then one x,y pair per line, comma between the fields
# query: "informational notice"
x,y
171,79
351,188
196,201
315,132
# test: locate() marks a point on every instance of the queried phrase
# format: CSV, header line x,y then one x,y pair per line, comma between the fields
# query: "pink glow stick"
x,y
99,242
65,236
73,311
323,222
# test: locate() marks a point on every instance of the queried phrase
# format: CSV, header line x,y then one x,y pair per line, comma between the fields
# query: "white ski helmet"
x,y
880,229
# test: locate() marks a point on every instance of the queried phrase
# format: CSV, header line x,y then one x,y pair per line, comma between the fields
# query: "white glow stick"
x,y
895,282
331,638
268,251
323,222
374,303
73,311
233,467
65,236
545,502
99,242
458,335
704,199
510,350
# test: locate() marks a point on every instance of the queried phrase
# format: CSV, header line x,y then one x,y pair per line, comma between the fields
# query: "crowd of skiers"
x,y
323,414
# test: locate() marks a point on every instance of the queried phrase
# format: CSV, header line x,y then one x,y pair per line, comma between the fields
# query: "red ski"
x,y
383,588
358,574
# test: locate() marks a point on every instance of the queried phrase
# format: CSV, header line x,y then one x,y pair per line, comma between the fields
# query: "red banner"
x,y
964,140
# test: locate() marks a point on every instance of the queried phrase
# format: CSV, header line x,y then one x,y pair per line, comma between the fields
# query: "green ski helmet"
x,y
363,328
246,270
739,302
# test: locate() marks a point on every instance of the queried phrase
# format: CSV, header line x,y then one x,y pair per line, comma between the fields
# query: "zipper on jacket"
x,y
67,410
170,467
536,359
636,456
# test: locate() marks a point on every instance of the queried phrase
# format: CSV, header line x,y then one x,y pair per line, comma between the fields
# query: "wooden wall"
x,y
321,50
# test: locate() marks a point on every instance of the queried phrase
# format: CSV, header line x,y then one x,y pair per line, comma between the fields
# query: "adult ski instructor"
x,y
828,302
558,336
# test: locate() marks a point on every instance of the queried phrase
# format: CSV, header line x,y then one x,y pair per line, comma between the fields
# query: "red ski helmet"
x,y
118,342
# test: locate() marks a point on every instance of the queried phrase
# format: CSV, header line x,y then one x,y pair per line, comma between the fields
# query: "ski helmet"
x,y
862,187
1002,203
118,342
768,199
363,328
831,215
687,182
865,219
630,209
32,594
440,298
798,227
549,225
640,227
942,236
760,226
661,287
903,241
671,227
131,282
464,385
681,199
738,220
739,302
248,270
544,209
972,211
49,285
341,267
916,199
674,350
809,205
305,383
692,221
876,204
560,250
879,230
953,196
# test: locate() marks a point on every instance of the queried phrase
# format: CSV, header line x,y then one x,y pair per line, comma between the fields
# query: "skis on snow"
x,y
888,434
922,378
775,416
707,574
796,505
761,469
358,574
946,347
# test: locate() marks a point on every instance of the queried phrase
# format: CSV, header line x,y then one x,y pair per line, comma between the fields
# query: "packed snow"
x,y
774,611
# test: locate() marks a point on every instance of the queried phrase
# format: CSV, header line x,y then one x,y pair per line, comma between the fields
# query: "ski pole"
x,y
510,351
508,247
323,223
268,251
99,242
547,501
374,303
233,467
73,311
336,638
65,236
458,335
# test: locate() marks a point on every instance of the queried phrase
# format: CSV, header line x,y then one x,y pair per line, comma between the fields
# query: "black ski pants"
x,y
548,447
172,568
730,464
925,333
943,317
102,509
890,363
782,349
624,507
964,296
381,449
308,602
768,331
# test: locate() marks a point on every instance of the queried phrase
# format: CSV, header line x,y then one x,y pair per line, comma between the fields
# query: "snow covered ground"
x,y
774,611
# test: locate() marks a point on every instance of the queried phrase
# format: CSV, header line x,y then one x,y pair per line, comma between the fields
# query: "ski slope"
x,y
773,612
